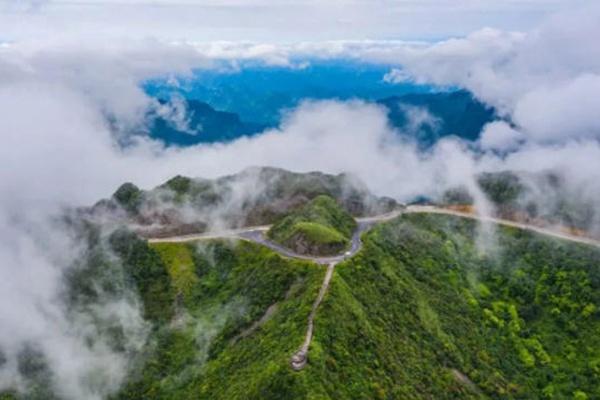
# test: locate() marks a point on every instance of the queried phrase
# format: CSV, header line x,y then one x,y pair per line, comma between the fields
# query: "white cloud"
x,y
397,75
295,20
546,80
561,110
58,150
498,135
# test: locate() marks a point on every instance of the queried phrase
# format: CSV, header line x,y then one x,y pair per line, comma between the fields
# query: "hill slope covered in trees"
x,y
422,311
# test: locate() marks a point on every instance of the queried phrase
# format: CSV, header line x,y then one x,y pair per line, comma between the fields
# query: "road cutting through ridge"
x,y
257,234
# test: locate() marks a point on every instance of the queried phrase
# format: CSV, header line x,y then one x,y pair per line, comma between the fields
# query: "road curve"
x,y
257,234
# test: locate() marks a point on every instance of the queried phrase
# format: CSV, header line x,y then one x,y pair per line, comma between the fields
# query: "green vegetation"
x,y
144,267
321,227
504,189
421,313
129,197
545,197
208,350
180,265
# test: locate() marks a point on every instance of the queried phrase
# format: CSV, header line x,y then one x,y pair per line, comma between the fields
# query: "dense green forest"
x,y
421,311
321,227
240,311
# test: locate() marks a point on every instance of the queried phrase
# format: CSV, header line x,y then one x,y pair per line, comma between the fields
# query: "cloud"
x,y
544,80
499,135
397,75
59,148
292,21
175,112
564,110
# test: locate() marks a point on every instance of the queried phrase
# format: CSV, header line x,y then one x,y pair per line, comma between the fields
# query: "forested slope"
x,y
421,313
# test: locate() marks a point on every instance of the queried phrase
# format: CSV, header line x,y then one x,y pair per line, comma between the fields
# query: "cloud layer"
x,y
62,102
258,20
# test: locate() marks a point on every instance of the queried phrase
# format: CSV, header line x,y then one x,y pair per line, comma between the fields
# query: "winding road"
x,y
257,234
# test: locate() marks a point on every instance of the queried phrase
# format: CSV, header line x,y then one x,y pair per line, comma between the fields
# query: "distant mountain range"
x,y
427,116
449,113
206,125
259,93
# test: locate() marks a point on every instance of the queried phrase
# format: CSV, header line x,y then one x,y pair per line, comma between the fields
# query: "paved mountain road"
x,y
257,234
505,222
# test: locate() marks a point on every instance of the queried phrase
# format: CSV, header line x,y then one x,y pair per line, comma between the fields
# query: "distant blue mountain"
x,y
207,126
228,104
453,113
260,93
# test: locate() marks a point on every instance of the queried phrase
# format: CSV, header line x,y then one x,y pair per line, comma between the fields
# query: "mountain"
x,y
421,310
255,196
257,92
542,198
418,313
425,116
205,125
251,97
430,116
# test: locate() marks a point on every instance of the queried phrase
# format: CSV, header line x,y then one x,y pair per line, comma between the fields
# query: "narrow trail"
x,y
300,358
257,234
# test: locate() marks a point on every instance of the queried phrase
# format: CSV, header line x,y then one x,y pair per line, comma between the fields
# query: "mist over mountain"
x,y
425,117
258,92
200,123
251,200
431,116
199,310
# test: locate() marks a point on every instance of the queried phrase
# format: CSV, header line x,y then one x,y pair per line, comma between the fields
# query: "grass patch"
x,y
319,233
180,265
321,227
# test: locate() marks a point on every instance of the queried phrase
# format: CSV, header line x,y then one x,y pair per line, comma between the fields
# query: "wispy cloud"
x,y
58,149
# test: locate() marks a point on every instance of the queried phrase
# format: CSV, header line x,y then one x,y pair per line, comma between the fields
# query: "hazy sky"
x,y
273,21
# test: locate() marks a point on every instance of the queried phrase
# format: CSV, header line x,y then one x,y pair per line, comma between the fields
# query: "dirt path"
x,y
257,324
299,359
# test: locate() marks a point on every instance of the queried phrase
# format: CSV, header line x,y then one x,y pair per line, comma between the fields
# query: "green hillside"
x,y
240,313
418,313
321,227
